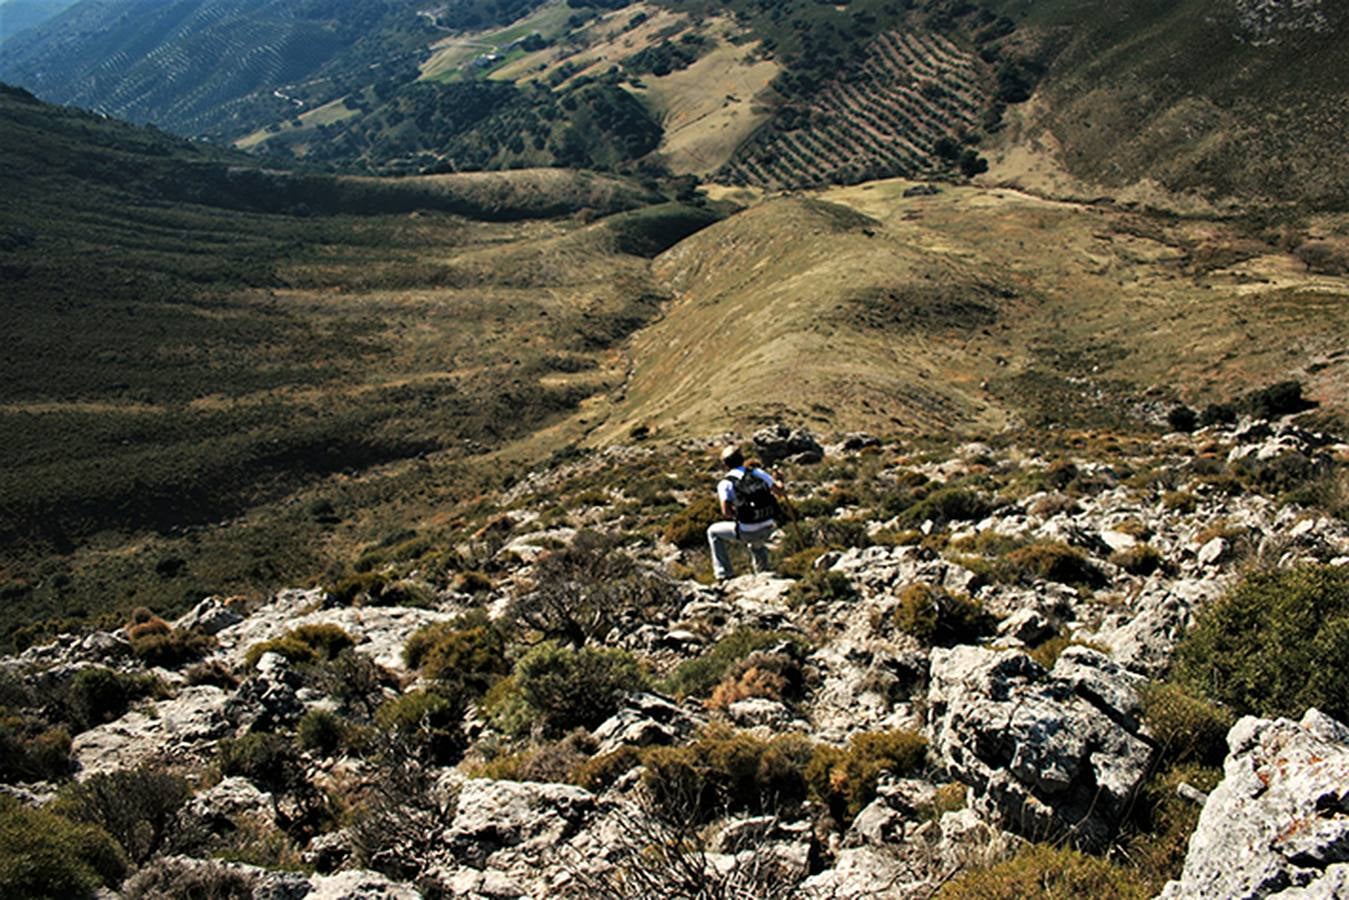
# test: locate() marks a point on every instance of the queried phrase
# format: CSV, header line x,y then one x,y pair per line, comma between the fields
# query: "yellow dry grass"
x,y
708,109
327,114
600,44
1108,301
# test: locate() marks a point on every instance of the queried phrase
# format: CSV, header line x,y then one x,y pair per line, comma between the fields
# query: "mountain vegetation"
x,y
202,357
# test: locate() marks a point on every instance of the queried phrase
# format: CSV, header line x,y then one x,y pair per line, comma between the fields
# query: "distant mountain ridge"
x,y
20,15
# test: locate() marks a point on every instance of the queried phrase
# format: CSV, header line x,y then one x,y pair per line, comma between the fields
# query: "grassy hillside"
x,y
203,398
1217,98
974,309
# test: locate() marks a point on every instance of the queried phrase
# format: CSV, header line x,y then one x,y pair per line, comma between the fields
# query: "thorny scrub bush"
x,y
393,817
725,770
469,653
845,780
554,761
1047,652
427,723
560,688
137,807
268,760
45,855
698,676
305,644
821,587
774,676
355,681
1051,561
1275,645
938,618
688,527
654,856
941,507
581,593
200,879
1041,871
1187,728
97,695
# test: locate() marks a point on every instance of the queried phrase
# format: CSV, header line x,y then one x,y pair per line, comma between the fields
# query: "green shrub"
x,y
171,649
1275,645
1052,561
688,527
1049,873
939,618
427,722
697,677
1180,501
726,771
304,645
30,753
950,504
566,688
599,773
138,808
845,780
1158,839
1187,728
195,879
821,586
1140,559
1274,400
320,731
268,760
45,855
472,657
97,695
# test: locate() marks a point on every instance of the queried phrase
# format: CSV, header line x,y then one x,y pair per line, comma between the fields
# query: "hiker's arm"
x,y
727,509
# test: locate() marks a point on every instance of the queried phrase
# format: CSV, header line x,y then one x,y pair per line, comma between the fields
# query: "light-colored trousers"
x,y
719,537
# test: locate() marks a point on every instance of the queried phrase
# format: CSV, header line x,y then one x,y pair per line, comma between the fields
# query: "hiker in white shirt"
x,y
750,510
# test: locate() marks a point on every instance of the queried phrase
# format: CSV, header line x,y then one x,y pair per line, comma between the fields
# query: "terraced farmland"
x,y
882,119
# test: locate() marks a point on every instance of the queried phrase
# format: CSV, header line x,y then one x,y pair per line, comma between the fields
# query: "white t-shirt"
x,y
726,493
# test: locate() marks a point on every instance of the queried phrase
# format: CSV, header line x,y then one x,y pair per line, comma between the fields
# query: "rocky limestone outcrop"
x,y
163,732
1278,823
1049,755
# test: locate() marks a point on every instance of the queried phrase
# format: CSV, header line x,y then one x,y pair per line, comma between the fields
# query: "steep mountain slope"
x,y
973,308
209,67
20,15
208,367
1231,98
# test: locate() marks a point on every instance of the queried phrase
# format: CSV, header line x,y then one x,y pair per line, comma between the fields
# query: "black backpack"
x,y
754,500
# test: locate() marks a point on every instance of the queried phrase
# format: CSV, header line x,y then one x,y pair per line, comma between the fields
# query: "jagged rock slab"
x,y
1278,823
187,723
1050,755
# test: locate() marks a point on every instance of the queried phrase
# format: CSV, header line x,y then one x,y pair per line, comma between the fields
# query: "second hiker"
x,y
748,498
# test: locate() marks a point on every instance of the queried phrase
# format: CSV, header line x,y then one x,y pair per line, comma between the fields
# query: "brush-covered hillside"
x,y
1225,100
195,346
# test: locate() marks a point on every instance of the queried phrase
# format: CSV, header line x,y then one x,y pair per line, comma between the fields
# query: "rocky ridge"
x,y
1020,746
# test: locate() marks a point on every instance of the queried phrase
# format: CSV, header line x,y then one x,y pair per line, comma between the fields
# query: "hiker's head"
x,y
731,457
